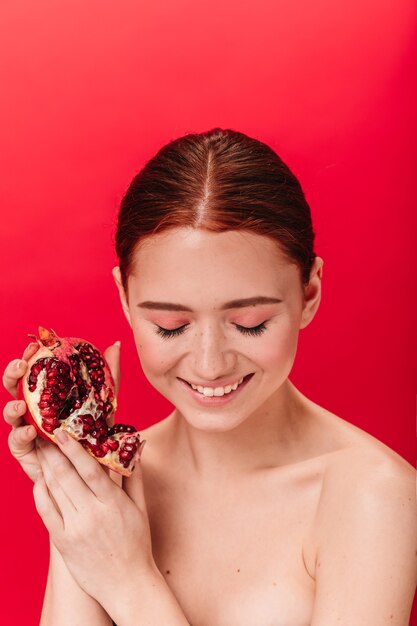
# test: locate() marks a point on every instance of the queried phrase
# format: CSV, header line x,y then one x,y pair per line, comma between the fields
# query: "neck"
x,y
270,437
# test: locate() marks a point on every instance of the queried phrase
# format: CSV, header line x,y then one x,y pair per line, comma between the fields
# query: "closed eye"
x,y
167,333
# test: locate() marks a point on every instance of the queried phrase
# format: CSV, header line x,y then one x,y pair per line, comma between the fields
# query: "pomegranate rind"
x,y
111,461
28,417
48,342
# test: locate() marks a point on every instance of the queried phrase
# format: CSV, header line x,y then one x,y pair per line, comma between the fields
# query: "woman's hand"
x,y
22,437
101,529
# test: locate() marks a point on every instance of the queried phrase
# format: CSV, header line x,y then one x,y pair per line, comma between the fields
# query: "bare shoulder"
x,y
364,457
372,471
358,470
363,478
365,535
354,451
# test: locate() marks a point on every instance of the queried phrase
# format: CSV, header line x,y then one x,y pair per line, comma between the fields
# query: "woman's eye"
x,y
165,332
254,331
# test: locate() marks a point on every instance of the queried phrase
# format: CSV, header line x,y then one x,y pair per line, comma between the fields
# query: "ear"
x,y
312,292
122,293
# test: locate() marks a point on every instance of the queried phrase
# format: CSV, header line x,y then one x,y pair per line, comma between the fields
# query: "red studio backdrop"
x,y
91,89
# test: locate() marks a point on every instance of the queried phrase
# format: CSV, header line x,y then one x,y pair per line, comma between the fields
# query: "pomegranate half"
x,y
68,385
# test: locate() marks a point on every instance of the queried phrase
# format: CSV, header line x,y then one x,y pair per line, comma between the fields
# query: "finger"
x,y
64,483
12,374
16,368
30,350
90,470
116,477
46,509
112,356
13,412
133,484
65,506
22,441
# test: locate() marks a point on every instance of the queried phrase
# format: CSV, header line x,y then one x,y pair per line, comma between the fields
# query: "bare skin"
x,y
234,492
246,552
255,506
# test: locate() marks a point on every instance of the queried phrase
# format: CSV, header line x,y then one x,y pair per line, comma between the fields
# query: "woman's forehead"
x,y
207,247
212,267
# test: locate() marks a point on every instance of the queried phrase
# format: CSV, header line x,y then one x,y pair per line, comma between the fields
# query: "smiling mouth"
x,y
227,393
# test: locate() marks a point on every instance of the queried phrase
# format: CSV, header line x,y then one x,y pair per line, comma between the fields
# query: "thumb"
x,y
112,356
133,484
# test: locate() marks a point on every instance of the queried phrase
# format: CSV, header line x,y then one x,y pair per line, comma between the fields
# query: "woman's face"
x,y
186,294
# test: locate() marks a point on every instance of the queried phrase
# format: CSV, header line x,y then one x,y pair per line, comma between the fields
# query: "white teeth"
x,y
218,391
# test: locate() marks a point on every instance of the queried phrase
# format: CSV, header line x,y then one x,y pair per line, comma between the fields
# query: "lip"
x,y
215,400
221,383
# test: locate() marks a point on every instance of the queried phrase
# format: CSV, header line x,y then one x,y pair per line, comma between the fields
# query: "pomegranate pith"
x,y
68,385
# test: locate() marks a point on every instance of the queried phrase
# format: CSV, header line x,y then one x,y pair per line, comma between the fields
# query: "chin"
x,y
212,423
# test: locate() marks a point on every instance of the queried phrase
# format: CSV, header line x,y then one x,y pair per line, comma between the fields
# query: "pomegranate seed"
x,y
50,427
121,428
47,393
97,451
48,412
125,454
105,447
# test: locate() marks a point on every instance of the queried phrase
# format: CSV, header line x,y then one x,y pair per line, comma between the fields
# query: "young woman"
x,y
251,505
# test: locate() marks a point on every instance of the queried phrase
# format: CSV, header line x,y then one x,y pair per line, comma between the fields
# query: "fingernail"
x,y
29,431
117,344
61,435
18,406
18,364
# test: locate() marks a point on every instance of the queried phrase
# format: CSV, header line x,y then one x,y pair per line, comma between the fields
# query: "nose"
x,y
212,357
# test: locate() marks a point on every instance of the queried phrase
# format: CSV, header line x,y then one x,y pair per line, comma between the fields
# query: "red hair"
x,y
217,180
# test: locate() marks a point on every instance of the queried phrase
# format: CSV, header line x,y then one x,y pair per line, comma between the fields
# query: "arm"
x,y
366,568
102,533
148,601
65,603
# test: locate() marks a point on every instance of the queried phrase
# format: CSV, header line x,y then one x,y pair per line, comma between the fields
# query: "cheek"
x,y
154,356
278,348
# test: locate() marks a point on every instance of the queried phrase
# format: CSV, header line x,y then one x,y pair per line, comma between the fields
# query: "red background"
x,y
92,89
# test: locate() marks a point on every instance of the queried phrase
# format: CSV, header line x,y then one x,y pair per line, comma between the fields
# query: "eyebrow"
x,y
233,304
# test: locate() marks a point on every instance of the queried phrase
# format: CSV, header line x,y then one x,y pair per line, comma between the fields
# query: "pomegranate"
x,y
69,385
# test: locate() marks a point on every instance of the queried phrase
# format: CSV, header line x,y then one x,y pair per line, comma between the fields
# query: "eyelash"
x,y
255,331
